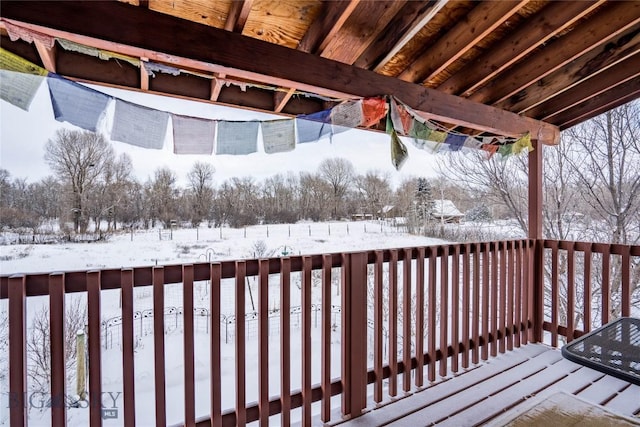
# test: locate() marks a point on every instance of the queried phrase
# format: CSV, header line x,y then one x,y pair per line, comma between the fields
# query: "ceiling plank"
x,y
47,55
360,30
597,105
176,41
621,73
238,14
551,20
616,19
404,26
482,20
589,66
322,30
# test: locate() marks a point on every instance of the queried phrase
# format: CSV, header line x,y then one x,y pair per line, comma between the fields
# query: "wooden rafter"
x,y
144,76
588,66
551,20
616,19
405,25
47,55
592,107
614,76
252,60
485,17
322,31
360,30
238,14
281,98
216,86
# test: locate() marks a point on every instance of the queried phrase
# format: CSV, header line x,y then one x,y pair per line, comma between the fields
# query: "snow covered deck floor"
x,y
495,391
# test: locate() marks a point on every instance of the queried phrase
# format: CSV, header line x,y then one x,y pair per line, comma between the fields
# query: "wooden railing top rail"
x,y
76,281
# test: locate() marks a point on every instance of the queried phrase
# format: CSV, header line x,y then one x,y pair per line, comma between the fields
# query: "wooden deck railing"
x,y
407,316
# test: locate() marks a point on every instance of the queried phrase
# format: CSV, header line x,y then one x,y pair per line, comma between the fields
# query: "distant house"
x,y
445,210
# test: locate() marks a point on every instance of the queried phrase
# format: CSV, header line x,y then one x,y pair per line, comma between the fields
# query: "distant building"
x,y
445,210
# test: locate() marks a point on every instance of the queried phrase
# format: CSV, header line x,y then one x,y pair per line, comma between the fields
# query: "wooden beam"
x,y
483,18
322,30
360,30
411,19
216,86
551,20
617,18
281,98
144,76
47,56
176,41
621,73
238,14
592,64
621,94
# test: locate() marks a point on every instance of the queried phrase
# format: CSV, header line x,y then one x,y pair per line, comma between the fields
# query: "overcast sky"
x,y
23,135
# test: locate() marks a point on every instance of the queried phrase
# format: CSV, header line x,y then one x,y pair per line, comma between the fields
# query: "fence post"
x,y
354,334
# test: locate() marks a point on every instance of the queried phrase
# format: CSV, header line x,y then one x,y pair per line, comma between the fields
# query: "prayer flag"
x,y
19,89
278,136
140,126
373,110
523,143
506,150
237,137
437,136
16,32
193,135
75,103
12,62
312,127
455,141
348,114
491,149
400,118
398,151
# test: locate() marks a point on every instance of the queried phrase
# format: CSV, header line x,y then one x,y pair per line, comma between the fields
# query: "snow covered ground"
x,y
162,247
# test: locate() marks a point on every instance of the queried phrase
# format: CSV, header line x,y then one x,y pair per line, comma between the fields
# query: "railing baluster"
x,y
476,316
626,281
128,374
377,326
406,319
606,285
494,299
510,292
554,294
455,307
570,292
325,411
95,350
57,344
285,341
518,294
263,341
466,289
431,332
586,313
485,301
215,273
419,318
17,350
502,297
241,410
444,308
188,340
158,346
306,341
527,281
393,323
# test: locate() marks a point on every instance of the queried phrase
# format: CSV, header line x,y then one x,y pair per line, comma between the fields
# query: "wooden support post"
x,y
354,332
535,233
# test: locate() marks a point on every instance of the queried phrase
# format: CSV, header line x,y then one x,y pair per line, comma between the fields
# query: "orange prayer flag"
x,y
373,110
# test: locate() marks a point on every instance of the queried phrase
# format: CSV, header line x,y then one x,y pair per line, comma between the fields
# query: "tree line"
x,y
91,185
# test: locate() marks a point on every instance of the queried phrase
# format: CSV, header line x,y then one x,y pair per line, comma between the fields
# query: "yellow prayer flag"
x,y
12,62
524,142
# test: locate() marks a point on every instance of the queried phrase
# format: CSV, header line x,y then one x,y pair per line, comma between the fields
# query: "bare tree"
x,y
78,158
163,195
338,173
374,191
201,191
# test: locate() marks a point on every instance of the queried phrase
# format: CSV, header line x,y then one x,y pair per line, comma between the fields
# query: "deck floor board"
x,y
505,385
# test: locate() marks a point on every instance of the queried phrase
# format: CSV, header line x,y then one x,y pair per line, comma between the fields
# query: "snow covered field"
x,y
184,246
